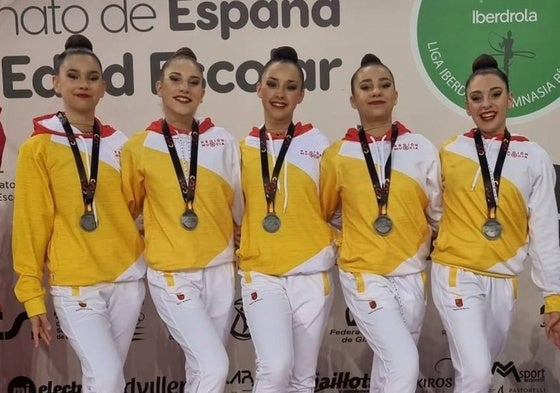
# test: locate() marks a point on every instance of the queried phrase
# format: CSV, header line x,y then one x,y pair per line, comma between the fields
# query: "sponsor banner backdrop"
x,y
428,44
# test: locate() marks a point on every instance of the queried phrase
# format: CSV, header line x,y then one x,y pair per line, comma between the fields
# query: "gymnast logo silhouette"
x,y
503,45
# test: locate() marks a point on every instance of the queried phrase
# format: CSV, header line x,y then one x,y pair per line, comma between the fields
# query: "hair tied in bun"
x,y
370,59
484,61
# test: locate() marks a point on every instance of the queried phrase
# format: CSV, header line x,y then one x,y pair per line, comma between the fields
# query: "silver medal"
x,y
383,225
271,223
87,222
189,220
492,229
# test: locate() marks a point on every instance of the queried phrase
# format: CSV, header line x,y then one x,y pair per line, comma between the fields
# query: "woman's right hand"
x,y
41,328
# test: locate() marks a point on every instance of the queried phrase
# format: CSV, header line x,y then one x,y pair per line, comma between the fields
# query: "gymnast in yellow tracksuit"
x,y
182,174
386,182
499,207
285,253
76,222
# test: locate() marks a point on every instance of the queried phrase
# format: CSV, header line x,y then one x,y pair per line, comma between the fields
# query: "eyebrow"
x,y
371,80
491,89
87,72
179,74
276,79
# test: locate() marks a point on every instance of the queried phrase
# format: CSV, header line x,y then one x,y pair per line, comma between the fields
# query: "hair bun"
x,y
484,61
369,59
284,53
185,52
78,41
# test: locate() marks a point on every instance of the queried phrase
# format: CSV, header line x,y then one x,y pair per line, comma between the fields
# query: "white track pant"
x,y
99,322
389,312
197,307
476,312
287,317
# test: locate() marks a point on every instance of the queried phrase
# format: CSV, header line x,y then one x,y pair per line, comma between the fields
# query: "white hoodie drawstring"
x,y
488,149
185,152
380,151
269,136
475,179
285,179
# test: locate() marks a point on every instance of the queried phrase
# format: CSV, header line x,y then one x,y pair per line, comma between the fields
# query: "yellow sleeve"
x,y
552,303
32,224
328,182
132,173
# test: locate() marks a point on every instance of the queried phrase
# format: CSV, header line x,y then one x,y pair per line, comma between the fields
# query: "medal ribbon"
x,y
88,186
381,190
271,184
491,203
187,188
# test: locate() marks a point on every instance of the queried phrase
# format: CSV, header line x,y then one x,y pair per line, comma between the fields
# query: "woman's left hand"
x,y
552,327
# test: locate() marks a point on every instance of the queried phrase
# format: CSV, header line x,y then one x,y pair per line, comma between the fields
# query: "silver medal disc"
x,y
87,222
383,225
189,220
271,223
492,229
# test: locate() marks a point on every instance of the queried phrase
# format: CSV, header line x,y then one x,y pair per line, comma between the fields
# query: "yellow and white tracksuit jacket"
x,y
303,244
47,210
151,187
414,203
526,210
